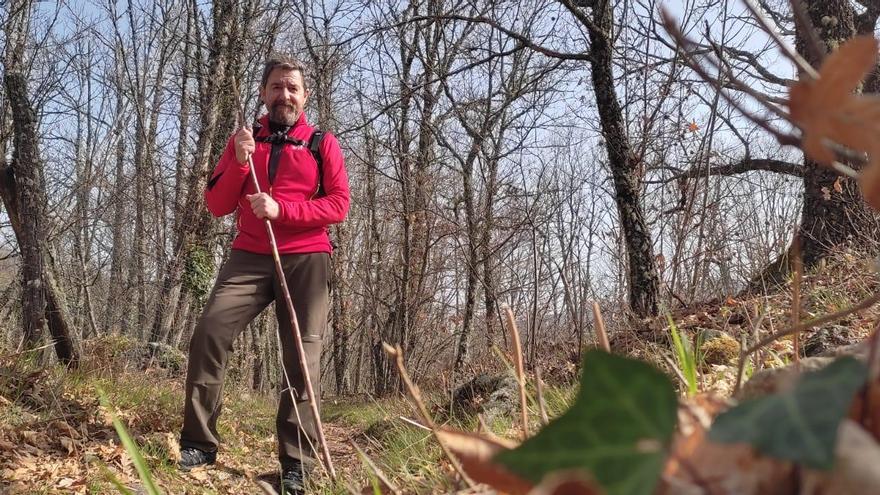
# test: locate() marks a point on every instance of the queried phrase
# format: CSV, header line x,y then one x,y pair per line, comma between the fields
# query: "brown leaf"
x,y
199,474
732,468
572,482
826,108
846,67
476,452
838,186
68,443
65,482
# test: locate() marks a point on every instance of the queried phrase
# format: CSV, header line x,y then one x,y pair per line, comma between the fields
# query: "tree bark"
x,y
216,117
642,279
830,218
25,199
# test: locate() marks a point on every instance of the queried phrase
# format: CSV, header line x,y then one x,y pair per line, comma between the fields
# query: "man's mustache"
x,y
282,105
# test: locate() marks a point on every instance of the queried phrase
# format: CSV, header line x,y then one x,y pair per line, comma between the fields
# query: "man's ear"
x,y
306,94
262,94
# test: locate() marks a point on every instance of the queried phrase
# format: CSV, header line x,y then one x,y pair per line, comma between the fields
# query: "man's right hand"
x,y
244,144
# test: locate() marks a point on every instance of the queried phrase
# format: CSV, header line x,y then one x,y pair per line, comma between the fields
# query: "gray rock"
x,y
826,339
490,395
770,381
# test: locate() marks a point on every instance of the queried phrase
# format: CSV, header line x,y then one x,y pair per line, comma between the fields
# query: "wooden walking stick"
x,y
294,323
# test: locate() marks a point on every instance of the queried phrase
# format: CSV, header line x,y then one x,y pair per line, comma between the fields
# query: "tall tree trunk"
x,y
117,288
24,196
642,279
217,117
326,60
843,218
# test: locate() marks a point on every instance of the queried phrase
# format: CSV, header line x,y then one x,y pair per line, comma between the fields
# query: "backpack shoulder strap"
x,y
315,148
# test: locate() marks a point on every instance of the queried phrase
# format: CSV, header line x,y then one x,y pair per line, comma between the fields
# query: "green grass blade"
x,y
685,355
131,446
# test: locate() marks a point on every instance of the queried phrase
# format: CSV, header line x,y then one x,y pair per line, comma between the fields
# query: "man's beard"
x,y
283,114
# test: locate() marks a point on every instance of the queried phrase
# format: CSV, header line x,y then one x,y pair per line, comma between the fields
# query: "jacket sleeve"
x,y
330,208
224,188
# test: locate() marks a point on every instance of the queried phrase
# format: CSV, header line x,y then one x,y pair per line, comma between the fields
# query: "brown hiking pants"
x,y
245,286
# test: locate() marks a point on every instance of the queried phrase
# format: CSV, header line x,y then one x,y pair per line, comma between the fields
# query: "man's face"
x,y
284,95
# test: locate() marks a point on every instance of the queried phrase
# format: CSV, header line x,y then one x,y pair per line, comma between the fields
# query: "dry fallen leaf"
x,y
476,452
567,483
68,443
826,108
734,468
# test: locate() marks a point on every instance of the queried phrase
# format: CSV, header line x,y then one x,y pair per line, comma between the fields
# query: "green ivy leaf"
x,y
618,429
799,425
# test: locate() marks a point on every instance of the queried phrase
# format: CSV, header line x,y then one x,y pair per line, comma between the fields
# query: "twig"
x,y
520,372
787,49
675,369
601,334
683,42
413,422
690,48
741,86
14,354
352,490
378,472
846,169
539,391
759,356
397,353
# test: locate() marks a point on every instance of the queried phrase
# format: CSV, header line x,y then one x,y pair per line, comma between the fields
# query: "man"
x,y
302,196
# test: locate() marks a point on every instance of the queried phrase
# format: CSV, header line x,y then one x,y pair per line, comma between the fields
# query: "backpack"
x,y
314,145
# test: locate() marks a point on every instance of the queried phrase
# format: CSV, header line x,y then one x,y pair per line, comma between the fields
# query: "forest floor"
x,y
55,437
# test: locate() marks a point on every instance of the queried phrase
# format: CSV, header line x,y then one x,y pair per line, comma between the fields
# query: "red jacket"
x,y
301,226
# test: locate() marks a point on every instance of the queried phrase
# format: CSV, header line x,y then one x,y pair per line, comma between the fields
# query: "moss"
x,y
720,350
198,272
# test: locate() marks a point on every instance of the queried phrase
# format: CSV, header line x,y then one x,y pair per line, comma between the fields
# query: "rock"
x,y
858,350
774,380
490,395
164,356
825,339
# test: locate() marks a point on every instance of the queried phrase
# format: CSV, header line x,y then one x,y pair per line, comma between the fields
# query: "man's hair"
x,y
279,60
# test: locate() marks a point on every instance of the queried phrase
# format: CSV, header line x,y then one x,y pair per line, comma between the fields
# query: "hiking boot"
x,y
191,457
293,479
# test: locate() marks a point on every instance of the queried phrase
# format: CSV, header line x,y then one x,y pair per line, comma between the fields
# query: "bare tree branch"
x,y
743,166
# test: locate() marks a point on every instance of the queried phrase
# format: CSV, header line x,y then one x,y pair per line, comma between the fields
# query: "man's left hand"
x,y
263,205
